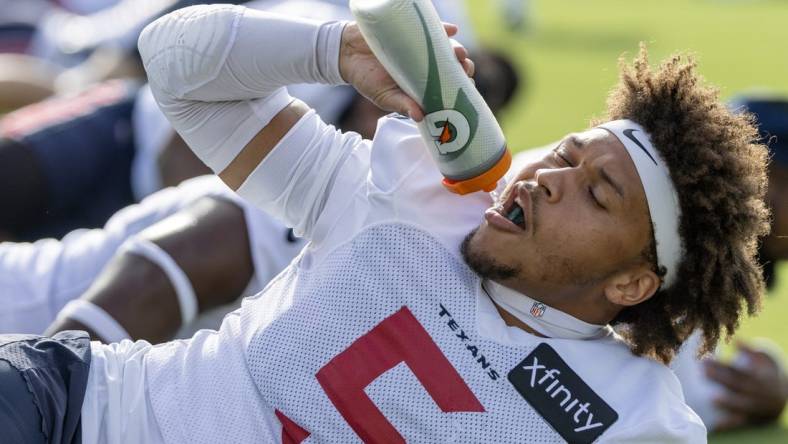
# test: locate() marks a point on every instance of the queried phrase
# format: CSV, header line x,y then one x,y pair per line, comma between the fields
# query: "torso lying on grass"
x,y
378,331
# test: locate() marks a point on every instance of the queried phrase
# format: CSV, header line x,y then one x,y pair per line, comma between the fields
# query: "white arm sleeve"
x,y
218,71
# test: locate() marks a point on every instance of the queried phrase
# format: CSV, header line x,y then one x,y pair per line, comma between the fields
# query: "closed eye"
x,y
562,157
594,199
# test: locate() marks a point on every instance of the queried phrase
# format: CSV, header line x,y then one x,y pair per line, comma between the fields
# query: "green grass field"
x,y
569,53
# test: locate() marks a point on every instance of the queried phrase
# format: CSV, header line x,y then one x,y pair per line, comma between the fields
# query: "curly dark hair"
x,y
719,171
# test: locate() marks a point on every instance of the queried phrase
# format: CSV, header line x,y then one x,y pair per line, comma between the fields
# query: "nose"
x,y
549,181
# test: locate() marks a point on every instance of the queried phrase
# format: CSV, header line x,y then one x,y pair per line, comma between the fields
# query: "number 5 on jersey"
x,y
398,338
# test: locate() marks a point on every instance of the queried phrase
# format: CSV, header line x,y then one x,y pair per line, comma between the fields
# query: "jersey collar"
x,y
546,320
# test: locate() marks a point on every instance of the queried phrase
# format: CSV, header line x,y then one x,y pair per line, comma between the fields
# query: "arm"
x,y
218,74
207,240
752,389
755,388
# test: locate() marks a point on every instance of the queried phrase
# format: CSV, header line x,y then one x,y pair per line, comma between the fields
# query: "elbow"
x,y
187,47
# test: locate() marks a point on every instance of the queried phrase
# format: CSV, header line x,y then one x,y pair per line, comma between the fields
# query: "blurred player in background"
x,y
64,162
73,45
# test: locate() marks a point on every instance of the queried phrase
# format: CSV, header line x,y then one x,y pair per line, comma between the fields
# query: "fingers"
x,y
397,100
751,355
451,29
469,67
736,403
731,421
734,379
756,357
462,56
414,110
459,50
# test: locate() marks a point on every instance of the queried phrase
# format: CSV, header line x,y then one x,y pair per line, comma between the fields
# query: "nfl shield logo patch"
x,y
537,310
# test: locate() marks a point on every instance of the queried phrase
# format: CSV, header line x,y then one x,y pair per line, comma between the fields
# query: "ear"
x,y
632,286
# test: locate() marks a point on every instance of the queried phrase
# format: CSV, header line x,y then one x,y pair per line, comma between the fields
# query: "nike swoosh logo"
x,y
628,133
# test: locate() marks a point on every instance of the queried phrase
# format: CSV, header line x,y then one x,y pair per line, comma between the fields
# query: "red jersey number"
x,y
398,338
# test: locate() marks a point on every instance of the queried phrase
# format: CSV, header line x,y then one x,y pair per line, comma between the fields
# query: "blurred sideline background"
x,y
568,54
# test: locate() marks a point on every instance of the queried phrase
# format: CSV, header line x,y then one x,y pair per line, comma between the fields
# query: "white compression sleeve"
x,y
96,319
218,71
187,300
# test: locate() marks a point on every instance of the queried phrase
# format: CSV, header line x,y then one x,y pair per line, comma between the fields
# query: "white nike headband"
x,y
661,196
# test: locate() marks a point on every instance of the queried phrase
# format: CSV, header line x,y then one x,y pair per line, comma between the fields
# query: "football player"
x,y
413,313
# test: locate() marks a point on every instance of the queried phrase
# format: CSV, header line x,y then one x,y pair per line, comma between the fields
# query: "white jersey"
x,y
378,331
38,279
699,390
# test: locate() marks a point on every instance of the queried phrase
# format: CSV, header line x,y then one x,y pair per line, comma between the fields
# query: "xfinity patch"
x,y
556,392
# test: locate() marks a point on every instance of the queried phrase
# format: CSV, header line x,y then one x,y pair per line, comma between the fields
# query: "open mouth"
x,y
516,215
513,211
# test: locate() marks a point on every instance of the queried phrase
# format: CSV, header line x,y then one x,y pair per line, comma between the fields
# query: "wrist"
x,y
327,52
348,51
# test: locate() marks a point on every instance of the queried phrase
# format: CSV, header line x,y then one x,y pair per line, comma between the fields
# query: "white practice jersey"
x,y
38,279
699,390
377,331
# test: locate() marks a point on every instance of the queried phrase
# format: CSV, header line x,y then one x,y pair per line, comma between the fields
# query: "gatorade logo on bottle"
x,y
452,129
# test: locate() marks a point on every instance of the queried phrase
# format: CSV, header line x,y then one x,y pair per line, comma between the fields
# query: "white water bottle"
x,y
409,39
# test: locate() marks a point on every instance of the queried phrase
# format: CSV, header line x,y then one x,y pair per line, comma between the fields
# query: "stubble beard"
x,y
483,264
